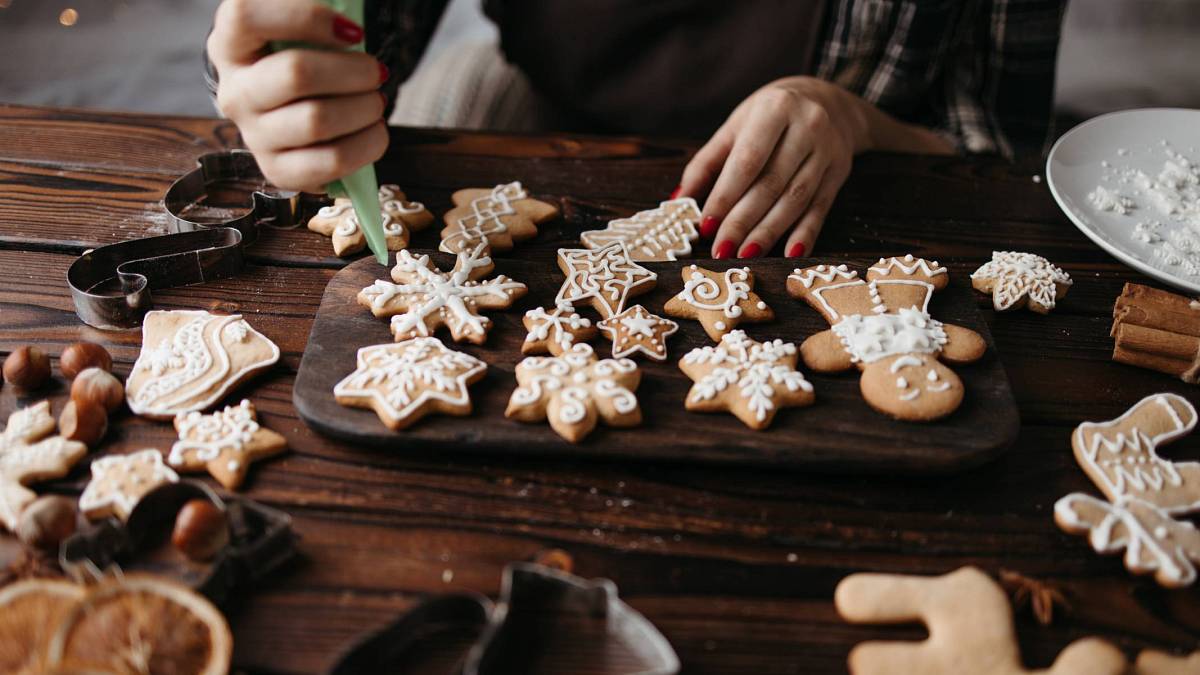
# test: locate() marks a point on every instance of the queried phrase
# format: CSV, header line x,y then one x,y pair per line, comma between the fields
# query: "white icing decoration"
x,y
755,368
402,377
484,219
114,475
901,383
639,323
908,265
704,293
870,338
606,274
910,394
206,437
1019,274
658,234
28,456
555,326
941,386
825,273
577,380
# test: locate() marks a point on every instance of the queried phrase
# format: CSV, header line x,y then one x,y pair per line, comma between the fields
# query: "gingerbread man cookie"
x,y
607,277
339,222
29,454
752,380
424,298
883,327
718,300
497,218
223,443
120,481
656,235
191,359
981,641
406,381
1145,492
636,330
555,331
574,391
1018,280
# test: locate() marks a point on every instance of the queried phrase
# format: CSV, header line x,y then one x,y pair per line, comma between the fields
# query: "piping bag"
x,y
361,187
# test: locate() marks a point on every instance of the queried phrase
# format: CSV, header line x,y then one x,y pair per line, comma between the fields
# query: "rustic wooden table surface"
x,y
736,567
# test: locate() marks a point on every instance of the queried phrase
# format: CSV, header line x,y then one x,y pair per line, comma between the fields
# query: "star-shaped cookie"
x,y
1017,280
497,217
637,330
223,443
718,300
339,222
555,331
28,454
606,277
120,481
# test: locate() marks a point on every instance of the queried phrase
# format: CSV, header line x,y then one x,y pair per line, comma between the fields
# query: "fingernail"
x,y
384,73
675,192
346,30
724,250
796,250
751,250
708,226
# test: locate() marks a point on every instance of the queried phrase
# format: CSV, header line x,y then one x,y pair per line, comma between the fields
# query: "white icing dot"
x,y
1160,532
720,325
901,383
762,305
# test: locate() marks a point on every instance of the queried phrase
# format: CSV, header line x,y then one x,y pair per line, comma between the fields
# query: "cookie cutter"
x,y
467,634
111,285
261,540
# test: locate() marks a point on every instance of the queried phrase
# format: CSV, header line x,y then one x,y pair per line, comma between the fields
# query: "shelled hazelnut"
x,y
27,368
200,530
83,422
81,356
47,522
98,387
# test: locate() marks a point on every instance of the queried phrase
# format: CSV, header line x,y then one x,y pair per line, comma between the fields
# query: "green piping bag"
x,y
362,187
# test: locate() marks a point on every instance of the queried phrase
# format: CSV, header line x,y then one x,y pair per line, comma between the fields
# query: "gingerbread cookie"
x,y
1018,280
752,380
1144,490
339,222
636,330
555,331
980,641
497,218
606,277
406,381
718,300
29,454
191,359
574,391
120,481
424,298
223,443
882,326
656,235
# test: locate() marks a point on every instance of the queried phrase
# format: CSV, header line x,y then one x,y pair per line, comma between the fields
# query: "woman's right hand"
x,y
309,116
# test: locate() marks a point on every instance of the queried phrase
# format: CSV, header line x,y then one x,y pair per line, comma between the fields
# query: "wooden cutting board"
x,y
839,433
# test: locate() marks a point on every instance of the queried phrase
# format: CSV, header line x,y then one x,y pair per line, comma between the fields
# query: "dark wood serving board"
x,y
839,433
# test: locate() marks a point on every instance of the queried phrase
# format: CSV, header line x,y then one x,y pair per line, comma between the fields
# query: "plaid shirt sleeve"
x,y
979,72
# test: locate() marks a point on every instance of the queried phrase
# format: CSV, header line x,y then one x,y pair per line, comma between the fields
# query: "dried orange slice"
x,y
143,624
30,610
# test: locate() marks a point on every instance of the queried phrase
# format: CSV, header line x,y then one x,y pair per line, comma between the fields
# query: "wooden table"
x,y
737,568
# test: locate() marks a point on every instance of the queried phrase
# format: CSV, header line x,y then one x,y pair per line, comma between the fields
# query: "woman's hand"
x,y
309,116
779,160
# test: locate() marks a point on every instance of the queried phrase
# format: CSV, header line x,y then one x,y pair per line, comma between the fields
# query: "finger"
x,y
319,164
788,208
295,74
705,165
804,236
755,142
242,29
313,121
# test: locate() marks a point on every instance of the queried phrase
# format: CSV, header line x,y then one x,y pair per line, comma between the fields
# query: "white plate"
x,y
1074,169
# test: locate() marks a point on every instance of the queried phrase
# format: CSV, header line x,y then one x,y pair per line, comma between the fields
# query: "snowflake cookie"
x,y
636,330
882,326
752,380
555,331
339,222
656,235
607,277
718,300
120,481
405,381
424,298
575,390
1018,280
28,454
191,359
223,443
497,218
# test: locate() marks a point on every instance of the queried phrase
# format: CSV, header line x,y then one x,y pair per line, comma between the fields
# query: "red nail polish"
x,y
724,250
796,250
384,73
708,227
346,30
751,250
675,192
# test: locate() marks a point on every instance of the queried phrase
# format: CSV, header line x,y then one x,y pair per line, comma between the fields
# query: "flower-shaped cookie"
x,y
1018,280
339,222
555,331
718,300
28,454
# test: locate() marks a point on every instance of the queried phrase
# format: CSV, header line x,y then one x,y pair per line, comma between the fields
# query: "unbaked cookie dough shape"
x,y
191,359
882,326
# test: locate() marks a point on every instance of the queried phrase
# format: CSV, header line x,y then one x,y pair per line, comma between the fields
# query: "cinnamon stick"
x,y
1157,330
1144,306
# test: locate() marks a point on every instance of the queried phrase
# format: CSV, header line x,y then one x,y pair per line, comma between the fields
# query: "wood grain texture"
x,y
736,566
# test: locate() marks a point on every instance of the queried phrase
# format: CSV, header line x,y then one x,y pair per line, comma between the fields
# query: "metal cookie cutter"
x,y
111,284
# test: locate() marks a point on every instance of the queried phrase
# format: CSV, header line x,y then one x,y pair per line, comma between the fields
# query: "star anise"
x,y
1039,595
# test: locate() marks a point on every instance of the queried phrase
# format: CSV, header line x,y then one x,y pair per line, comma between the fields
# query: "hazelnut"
x,y
83,422
98,387
200,530
27,367
47,522
81,356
